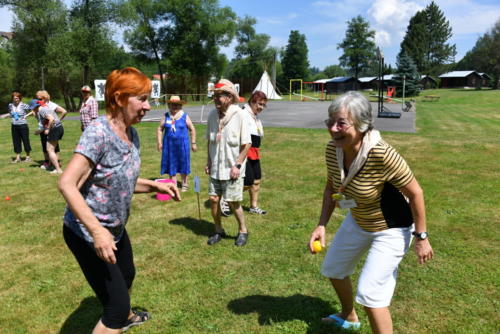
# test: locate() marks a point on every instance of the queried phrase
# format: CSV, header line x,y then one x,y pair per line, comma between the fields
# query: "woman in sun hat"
x,y
385,204
176,135
89,108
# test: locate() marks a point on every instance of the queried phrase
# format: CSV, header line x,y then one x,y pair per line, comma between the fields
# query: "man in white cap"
x,y
89,108
228,144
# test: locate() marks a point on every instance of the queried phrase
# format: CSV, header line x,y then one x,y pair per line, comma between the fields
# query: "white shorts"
x,y
386,249
231,190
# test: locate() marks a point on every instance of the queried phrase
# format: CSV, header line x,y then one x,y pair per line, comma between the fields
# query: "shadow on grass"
x,y
202,227
84,318
272,309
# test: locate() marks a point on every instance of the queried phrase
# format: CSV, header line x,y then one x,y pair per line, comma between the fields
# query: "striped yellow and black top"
x,y
383,165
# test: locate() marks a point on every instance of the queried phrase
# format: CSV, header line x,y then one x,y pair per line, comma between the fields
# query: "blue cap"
x,y
34,103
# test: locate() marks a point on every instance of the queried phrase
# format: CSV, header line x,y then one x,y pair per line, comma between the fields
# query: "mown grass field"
x,y
273,284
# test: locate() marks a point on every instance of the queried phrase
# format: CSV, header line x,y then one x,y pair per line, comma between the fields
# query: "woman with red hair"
x,y
256,104
98,185
19,129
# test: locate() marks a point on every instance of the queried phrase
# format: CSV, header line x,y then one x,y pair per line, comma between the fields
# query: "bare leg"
x,y
343,288
215,210
51,150
380,320
254,193
174,178
240,217
101,329
184,180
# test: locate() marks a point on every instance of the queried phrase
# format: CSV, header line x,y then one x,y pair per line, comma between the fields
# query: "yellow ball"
x,y
337,196
317,246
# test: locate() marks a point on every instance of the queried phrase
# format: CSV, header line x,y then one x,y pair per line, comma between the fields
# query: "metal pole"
x,y
43,80
404,84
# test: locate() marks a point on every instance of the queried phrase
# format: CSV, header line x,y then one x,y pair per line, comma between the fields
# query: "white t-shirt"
x,y
51,106
223,153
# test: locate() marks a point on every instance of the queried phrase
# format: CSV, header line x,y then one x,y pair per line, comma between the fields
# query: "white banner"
x,y
156,89
100,89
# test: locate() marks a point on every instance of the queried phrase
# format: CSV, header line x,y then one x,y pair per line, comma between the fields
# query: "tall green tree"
x,y
192,40
90,31
294,61
485,55
407,75
252,54
426,40
358,46
332,71
33,29
7,74
145,22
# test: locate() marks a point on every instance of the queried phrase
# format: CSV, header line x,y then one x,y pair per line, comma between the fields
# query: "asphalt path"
x,y
296,114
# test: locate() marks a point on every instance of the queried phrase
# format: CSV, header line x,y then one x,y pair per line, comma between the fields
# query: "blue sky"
x,y
324,22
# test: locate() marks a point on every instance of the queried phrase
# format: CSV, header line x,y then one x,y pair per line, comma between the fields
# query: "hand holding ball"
x,y
317,246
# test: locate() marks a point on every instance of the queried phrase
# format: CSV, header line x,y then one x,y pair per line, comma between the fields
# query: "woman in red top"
x,y
253,175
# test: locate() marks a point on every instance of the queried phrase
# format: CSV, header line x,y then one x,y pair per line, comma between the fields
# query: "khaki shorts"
x,y
231,190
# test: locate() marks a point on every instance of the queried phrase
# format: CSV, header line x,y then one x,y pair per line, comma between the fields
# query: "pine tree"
x,y
408,75
358,46
484,56
295,63
426,40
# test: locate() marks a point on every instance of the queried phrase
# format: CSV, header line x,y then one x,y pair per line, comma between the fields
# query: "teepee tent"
x,y
267,87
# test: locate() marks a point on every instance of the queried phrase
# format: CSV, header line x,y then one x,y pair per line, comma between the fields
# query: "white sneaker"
x,y
257,210
225,210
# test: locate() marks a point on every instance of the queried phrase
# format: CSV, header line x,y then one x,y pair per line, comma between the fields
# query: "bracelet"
x,y
193,143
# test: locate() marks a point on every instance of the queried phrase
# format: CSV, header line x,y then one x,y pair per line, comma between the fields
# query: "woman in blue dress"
x,y
173,136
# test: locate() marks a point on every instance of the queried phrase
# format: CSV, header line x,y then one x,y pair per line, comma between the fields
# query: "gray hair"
x,y
357,106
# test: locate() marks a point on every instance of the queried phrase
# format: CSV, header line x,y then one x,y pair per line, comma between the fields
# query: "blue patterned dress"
x,y
175,156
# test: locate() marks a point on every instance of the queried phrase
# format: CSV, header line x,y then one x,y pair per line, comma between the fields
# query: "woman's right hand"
x,y
159,146
104,244
317,234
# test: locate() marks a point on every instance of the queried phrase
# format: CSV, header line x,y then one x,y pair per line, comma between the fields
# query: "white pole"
x,y
404,87
201,116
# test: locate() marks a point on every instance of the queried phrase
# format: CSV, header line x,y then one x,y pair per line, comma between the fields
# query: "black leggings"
x,y
110,282
21,133
43,140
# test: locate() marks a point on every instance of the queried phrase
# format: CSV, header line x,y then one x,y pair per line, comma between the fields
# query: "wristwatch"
x,y
237,166
421,235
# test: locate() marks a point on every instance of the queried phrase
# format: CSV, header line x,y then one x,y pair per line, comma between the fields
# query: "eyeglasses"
x,y
262,105
342,124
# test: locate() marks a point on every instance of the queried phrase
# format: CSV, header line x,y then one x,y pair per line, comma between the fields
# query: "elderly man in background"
x,y
228,144
89,108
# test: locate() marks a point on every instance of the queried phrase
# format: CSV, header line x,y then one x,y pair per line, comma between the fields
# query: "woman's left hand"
x,y
169,188
424,250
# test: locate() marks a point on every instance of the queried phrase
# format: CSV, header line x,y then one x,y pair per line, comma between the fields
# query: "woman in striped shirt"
x,y
385,204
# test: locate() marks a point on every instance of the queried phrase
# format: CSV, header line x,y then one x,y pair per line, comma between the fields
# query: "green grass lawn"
x,y
273,284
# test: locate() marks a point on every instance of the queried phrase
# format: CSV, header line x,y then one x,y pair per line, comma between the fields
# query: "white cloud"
x,y
469,17
382,38
344,10
281,20
391,17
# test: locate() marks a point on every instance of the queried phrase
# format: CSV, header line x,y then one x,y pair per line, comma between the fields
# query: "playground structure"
x,y
314,90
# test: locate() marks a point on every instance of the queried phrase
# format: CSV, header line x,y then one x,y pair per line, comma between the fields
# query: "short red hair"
x,y
257,96
121,84
17,94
